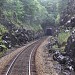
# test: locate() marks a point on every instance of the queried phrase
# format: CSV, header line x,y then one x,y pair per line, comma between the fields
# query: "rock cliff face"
x,y
70,47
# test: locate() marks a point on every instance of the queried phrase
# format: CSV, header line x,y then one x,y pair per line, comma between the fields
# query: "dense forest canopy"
x,y
36,13
29,12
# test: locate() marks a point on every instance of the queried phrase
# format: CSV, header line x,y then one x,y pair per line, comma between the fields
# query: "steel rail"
x,y
9,68
30,56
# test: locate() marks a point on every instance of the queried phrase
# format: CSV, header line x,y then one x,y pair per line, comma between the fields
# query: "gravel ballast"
x,y
44,64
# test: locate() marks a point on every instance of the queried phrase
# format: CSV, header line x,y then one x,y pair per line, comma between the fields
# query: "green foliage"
x,y
2,29
4,50
24,12
52,9
36,27
4,47
57,21
13,9
32,12
63,36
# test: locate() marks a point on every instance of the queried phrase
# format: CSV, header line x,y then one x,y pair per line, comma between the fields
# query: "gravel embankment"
x,y
6,59
44,64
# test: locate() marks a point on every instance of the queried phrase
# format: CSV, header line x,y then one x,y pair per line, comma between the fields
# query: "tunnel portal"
x,y
49,31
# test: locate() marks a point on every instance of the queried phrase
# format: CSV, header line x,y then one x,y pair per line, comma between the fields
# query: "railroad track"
x,y
24,62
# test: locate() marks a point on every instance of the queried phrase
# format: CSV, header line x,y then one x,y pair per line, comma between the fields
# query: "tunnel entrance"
x,y
49,32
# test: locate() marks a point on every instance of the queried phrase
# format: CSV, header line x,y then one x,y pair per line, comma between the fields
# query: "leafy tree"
x,y
52,9
1,7
13,9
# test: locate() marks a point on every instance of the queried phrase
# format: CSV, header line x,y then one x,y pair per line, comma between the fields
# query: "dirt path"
x,y
44,64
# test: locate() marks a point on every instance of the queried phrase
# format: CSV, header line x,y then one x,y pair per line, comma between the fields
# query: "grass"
x,y
63,36
2,30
